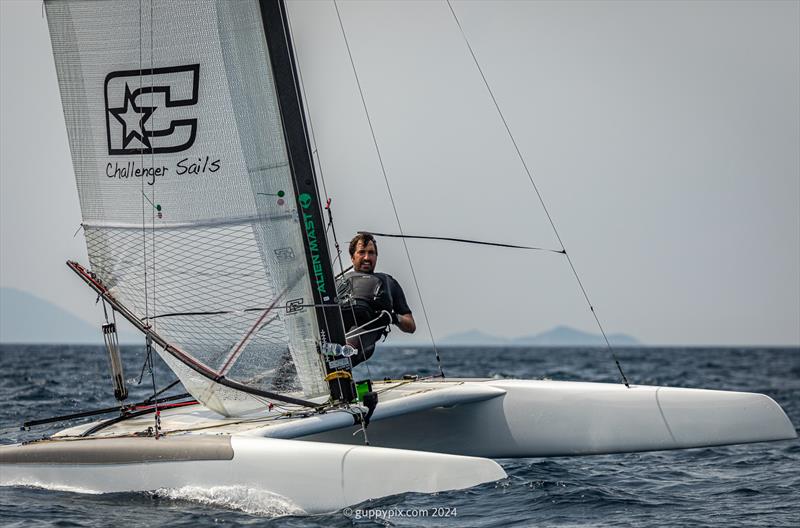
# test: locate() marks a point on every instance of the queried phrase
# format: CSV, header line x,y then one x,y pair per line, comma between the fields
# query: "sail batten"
x,y
187,194
208,222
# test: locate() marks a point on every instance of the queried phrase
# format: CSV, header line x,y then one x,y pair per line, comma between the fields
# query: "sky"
x,y
664,138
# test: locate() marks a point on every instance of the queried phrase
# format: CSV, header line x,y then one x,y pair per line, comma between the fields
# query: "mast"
x,y
281,54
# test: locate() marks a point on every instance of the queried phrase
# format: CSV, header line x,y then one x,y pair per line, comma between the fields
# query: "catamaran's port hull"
x,y
314,477
531,418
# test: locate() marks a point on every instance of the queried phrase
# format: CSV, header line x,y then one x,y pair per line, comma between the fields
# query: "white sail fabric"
x,y
188,205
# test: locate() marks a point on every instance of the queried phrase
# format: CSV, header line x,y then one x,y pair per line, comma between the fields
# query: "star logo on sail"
x,y
152,111
133,118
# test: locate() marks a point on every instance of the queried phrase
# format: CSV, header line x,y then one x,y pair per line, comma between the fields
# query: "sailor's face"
x,y
365,257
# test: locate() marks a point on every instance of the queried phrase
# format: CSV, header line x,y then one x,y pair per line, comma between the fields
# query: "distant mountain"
x,y
567,336
25,318
558,336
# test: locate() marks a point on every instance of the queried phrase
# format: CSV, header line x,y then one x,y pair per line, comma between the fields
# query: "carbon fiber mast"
x,y
281,54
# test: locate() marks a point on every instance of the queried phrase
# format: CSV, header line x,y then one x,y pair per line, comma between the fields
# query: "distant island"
x,y
26,318
558,336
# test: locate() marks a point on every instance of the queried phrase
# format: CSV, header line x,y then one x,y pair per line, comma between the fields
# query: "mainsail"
x,y
193,215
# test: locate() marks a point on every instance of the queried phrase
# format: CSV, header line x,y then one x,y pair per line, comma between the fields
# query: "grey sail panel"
x,y
186,192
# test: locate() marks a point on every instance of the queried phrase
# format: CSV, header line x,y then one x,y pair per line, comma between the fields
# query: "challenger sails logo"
x,y
151,111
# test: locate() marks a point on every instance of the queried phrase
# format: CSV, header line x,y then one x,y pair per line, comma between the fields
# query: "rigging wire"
x,y
152,164
144,196
148,347
148,362
538,193
388,188
149,341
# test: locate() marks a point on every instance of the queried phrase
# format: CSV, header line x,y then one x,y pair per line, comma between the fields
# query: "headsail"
x,y
191,214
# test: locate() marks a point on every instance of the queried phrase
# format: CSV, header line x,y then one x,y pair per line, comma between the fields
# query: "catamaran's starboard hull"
x,y
528,418
313,477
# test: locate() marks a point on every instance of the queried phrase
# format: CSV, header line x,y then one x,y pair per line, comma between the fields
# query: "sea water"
x,y
745,485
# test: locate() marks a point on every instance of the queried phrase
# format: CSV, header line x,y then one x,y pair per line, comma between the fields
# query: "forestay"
x,y
188,206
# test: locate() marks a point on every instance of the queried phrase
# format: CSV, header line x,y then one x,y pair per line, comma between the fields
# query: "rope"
x,y
464,241
538,194
369,330
162,391
389,189
246,310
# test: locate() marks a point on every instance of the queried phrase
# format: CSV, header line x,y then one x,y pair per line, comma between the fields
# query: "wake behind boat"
x,y
214,245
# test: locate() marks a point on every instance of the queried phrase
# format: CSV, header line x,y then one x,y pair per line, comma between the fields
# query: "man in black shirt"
x,y
370,301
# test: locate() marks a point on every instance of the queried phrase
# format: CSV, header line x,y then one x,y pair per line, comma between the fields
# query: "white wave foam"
x,y
26,483
241,498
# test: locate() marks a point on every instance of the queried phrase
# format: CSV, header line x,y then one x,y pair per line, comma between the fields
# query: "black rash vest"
x,y
363,298
396,296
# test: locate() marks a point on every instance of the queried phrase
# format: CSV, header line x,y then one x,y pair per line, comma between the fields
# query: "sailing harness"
x,y
364,295
367,307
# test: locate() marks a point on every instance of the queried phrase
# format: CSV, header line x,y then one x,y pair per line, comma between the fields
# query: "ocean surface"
x,y
745,485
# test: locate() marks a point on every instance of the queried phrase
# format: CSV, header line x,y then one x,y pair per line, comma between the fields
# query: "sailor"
x,y
370,301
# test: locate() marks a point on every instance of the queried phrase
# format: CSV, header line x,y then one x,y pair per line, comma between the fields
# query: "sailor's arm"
x,y
406,323
402,316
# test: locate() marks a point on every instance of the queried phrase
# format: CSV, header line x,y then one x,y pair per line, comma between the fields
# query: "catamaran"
x,y
206,230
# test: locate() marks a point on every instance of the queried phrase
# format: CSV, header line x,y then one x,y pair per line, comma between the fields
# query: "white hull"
x,y
314,477
555,418
418,434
